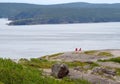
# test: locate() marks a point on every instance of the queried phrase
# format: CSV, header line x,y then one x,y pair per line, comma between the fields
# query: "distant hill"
x,y
12,9
27,14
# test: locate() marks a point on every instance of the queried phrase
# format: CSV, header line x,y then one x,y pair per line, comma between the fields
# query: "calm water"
x,y
38,40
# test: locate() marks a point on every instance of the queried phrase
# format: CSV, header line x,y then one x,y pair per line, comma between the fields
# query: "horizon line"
x,y
58,3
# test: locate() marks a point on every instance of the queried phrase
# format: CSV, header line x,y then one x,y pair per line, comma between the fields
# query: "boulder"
x,y
60,70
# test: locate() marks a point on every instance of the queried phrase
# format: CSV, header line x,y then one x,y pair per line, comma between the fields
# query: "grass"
x,y
43,63
117,60
118,71
37,63
104,54
94,52
13,73
75,64
1,83
91,52
82,64
54,55
93,64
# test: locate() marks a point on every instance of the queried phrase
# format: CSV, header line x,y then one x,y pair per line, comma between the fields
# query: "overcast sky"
x,y
60,1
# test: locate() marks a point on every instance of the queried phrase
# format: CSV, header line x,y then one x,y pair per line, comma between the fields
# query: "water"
x,y
39,40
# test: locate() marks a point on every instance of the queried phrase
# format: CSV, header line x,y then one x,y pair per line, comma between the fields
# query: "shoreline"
x,y
8,21
67,52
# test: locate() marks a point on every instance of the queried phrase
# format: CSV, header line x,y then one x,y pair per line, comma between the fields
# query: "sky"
x,y
60,1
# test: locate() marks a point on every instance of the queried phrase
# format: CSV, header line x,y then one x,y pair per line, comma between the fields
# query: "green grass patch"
x,y
118,71
12,73
117,60
43,63
91,52
104,54
93,64
38,63
1,83
82,64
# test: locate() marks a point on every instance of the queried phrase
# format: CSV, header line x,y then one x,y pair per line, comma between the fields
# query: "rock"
x,y
60,70
78,68
93,78
87,67
104,71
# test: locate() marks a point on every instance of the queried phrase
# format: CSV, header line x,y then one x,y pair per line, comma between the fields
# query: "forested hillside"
x,y
26,14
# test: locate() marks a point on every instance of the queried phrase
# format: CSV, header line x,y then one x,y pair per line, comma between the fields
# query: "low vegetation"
x,y
54,55
75,64
37,63
117,60
13,73
104,54
95,52
45,64
91,52
118,71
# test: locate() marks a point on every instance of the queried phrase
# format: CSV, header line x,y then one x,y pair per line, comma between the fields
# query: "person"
x,y
80,49
76,49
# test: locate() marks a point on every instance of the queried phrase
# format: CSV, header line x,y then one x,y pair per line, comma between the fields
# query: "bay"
x,y
32,41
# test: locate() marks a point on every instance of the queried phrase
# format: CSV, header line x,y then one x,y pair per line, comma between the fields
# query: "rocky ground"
x,y
105,73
